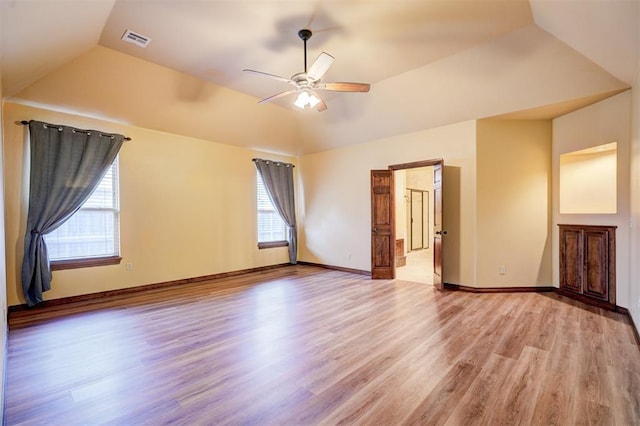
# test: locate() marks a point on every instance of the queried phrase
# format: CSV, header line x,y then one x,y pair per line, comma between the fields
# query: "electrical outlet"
x,y
129,266
502,270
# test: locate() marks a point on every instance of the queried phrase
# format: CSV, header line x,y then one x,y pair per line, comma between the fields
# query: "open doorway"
x,y
384,245
414,222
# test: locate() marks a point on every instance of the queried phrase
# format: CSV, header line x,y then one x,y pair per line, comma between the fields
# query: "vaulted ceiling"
x,y
430,62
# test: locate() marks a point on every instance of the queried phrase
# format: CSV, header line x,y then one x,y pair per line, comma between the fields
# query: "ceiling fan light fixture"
x,y
305,98
313,101
302,100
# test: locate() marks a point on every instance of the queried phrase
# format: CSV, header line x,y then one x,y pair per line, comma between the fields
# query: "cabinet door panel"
x,y
571,260
596,260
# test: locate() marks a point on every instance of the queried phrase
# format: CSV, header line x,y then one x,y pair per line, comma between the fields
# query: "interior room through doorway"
x,y
414,224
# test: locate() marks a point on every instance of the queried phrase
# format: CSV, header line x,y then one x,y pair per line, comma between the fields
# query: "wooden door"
x,y
596,282
382,244
438,232
571,259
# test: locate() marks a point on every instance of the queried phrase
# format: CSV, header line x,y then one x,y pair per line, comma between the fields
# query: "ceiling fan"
x,y
307,84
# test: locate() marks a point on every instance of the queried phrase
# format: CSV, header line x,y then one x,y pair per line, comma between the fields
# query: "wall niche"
x,y
588,183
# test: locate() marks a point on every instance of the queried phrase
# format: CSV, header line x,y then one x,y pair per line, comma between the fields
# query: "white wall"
x,y
604,122
336,212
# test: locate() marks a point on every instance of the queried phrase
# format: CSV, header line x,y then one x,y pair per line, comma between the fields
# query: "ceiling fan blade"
x,y
266,74
321,106
277,96
344,87
320,66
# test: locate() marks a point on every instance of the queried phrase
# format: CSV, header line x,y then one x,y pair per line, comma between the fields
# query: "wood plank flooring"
x,y
301,345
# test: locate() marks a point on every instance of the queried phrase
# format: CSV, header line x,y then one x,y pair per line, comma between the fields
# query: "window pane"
x,y
271,227
104,194
93,231
88,233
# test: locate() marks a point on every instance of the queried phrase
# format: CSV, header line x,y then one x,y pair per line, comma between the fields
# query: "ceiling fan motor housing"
x,y
302,80
305,34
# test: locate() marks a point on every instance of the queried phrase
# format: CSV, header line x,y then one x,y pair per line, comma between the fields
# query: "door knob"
x,y
374,230
441,232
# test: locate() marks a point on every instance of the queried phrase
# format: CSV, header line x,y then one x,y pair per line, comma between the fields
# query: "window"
x,y
272,231
92,235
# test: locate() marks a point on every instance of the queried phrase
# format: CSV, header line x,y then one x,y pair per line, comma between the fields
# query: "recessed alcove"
x,y
588,183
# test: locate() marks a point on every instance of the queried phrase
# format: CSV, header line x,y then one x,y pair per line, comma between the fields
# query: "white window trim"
x,y
278,242
99,260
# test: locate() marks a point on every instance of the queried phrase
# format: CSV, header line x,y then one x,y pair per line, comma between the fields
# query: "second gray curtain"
x,y
278,180
66,166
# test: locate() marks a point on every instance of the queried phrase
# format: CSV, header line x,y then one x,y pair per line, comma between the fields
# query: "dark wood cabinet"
x,y
587,263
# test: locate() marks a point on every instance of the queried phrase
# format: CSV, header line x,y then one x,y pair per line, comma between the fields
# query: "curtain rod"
x,y
272,161
26,123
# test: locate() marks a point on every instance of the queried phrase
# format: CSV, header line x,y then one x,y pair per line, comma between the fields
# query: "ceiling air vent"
x,y
137,39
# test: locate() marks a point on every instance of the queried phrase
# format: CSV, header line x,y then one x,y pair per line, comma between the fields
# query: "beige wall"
x,y
634,252
336,211
3,272
604,122
107,84
513,192
187,208
588,182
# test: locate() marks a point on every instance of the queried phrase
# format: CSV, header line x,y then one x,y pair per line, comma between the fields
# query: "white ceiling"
x,y
371,40
40,36
389,43
605,31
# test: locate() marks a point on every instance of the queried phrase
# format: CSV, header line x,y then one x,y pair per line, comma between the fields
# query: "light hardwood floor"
x,y
303,345
418,268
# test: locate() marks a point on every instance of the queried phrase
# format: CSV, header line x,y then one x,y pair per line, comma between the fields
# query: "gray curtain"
x,y
66,166
278,180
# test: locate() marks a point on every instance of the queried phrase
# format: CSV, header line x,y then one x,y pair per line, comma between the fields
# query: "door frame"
x,y
393,168
425,200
